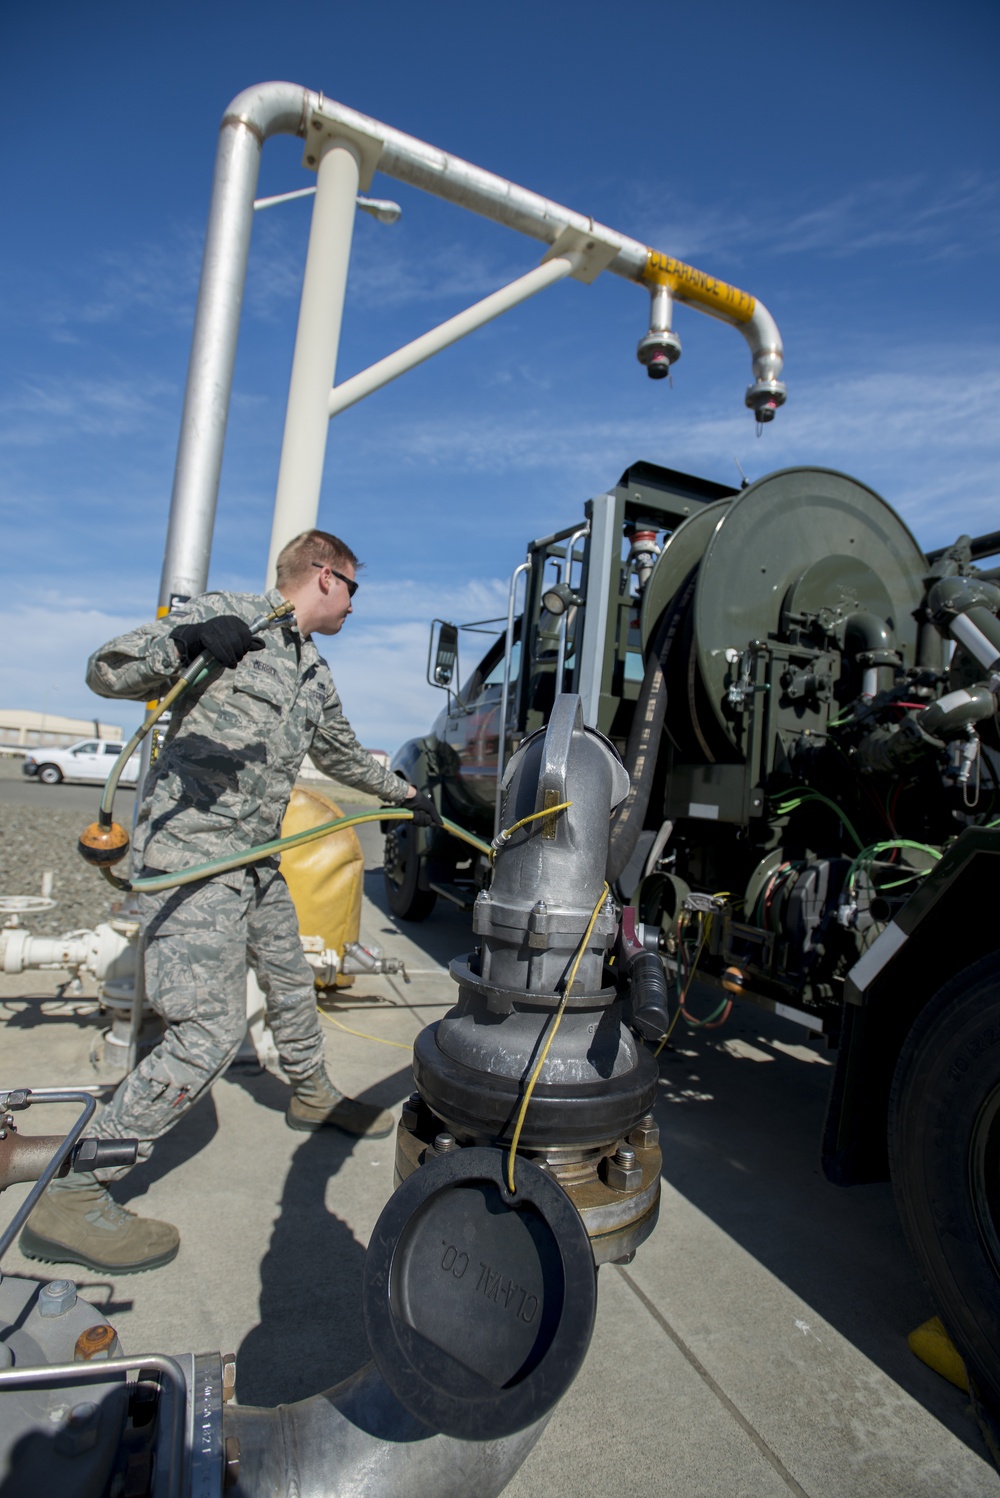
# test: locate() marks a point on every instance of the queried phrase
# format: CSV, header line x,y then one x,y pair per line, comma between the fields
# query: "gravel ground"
x,y
37,839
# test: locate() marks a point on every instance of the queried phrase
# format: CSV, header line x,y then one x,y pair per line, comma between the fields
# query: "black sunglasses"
x,y
349,582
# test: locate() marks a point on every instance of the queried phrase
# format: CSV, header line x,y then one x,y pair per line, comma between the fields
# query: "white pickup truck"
x,y
90,759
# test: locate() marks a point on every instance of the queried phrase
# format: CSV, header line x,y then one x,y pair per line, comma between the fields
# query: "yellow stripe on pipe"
x,y
693,285
161,613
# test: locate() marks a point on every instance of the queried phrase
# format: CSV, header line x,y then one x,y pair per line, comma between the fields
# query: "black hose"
x,y
644,737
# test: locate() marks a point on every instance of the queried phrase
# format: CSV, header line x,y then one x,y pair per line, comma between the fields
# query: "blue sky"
x,y
836,161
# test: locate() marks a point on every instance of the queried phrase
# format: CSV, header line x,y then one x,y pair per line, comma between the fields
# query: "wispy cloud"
x,y
152,283
379,661
405,600
381,675
383,276
931,448
37,411
923,218
52,677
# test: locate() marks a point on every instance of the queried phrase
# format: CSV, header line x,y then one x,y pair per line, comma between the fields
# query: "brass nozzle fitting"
x,y
103,845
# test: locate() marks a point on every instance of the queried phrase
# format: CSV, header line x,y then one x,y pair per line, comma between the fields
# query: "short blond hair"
x,y
312,547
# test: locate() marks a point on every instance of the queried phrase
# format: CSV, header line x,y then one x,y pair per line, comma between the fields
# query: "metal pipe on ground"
x,y
356,1440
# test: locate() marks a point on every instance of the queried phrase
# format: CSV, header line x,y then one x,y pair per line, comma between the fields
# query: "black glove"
x,y
425,813
225,637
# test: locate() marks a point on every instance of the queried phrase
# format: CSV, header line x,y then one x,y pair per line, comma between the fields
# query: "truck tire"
x,y
49,774
401,872
944,1153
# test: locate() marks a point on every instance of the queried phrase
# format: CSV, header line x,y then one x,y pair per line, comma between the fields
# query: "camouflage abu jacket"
x,y
235,742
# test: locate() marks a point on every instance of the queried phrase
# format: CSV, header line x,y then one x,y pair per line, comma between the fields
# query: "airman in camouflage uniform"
x,y
220,786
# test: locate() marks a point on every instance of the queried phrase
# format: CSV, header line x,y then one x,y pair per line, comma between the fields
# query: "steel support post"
x,y
210,371
303,447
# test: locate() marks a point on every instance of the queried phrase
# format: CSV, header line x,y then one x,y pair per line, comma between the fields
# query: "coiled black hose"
x,y
644,738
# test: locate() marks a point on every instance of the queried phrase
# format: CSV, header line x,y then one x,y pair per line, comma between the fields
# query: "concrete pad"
x,y
755,1346
640,1422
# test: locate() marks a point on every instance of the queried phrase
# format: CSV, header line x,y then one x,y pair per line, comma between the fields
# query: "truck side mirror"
x,y
442,662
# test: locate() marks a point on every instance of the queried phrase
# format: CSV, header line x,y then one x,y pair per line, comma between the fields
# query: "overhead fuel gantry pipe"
x,y
345,147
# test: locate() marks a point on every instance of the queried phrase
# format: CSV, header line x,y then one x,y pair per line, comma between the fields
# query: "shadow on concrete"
x,y
311,1332
185,1140
27,1011
444,934
741,1112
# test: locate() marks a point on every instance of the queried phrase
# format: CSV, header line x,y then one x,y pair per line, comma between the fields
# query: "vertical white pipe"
x,y
307,419
210,369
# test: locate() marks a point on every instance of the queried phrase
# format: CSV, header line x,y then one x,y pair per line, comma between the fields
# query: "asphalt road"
x,y
18,789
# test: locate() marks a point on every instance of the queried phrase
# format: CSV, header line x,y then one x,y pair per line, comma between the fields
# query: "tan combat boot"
x,y
83,1224
316,1104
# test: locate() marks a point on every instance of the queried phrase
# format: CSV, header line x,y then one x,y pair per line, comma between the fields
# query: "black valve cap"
x,y
479,1303
102,1154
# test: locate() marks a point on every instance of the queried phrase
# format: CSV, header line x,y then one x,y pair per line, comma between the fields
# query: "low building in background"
x,y
21,731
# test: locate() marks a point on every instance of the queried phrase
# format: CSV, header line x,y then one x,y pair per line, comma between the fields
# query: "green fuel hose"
x,y
277,845
105,842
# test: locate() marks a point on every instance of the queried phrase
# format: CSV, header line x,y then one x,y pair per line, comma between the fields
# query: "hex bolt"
x,y
95,1344
57,1297
621,1171
228,1376
646,1133
410,1115
444,1143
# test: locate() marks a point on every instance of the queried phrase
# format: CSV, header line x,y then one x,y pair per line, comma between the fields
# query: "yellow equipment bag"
x,y
325,877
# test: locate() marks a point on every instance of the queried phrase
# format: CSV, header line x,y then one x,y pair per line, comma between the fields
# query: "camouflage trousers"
x,y
199,940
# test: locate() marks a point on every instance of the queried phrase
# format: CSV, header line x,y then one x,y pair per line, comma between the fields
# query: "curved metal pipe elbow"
x,y
954,713
966,608
768,391
766,348
272,109
357,1439
954,595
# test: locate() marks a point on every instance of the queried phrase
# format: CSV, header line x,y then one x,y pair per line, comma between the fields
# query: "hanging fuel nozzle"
x,y
764,398
661,347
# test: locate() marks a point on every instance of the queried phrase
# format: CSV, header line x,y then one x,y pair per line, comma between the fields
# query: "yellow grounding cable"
x,y
378,1039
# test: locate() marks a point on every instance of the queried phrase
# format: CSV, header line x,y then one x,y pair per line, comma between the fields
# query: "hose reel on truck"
x,y
822,747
